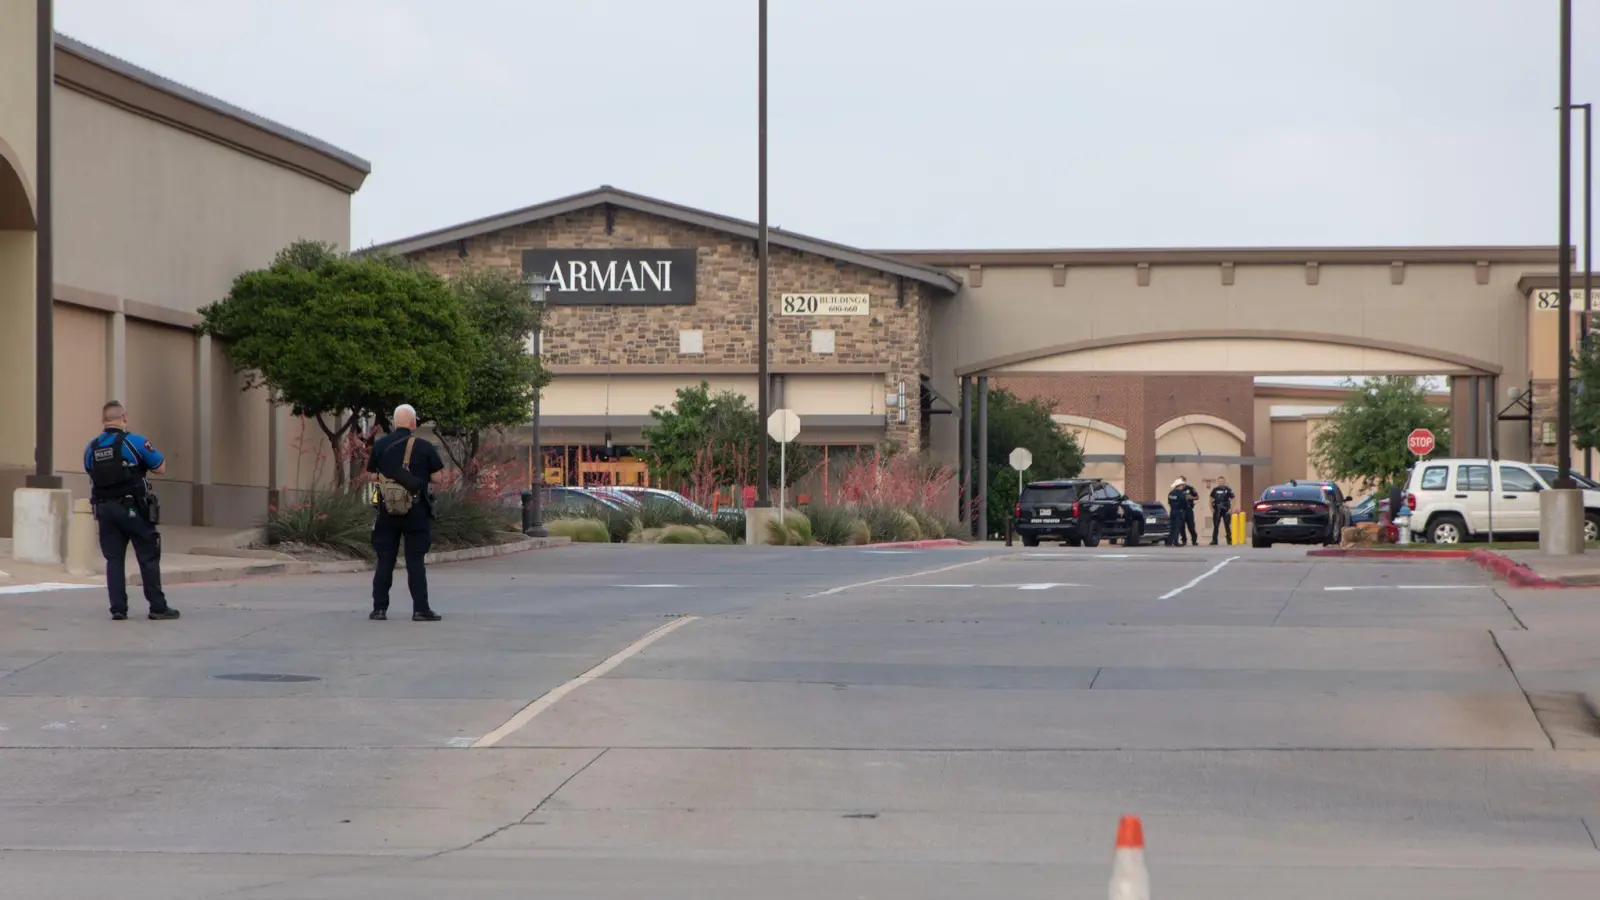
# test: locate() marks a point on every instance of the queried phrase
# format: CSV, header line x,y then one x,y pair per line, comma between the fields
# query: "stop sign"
x,y
1420,442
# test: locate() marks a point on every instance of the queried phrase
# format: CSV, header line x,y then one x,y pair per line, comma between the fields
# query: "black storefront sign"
x,y
619,277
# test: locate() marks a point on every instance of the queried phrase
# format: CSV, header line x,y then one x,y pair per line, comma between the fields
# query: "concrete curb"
x,y
1516,574
343,567
1341,553
916,545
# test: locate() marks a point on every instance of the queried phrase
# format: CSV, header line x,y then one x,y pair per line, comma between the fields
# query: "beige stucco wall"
x,y
80,367
239,433
154,214
18,65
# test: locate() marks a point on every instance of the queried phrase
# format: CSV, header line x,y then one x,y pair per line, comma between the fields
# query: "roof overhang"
x,y
1524,255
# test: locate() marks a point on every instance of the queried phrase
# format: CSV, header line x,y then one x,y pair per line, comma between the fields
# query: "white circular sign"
x,y
1021,459
783,425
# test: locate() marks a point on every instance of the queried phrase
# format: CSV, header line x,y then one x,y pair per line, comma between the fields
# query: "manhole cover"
x,y
259,676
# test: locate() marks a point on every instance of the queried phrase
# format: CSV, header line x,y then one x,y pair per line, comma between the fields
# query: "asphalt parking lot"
x,y
674,722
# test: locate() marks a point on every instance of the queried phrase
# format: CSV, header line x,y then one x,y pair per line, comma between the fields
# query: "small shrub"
x,y
860,532
731,523
619,524
340,521
778,533
799,527
930,525
714,535
659,513
581,531
887,524
462,519
681,534
832,525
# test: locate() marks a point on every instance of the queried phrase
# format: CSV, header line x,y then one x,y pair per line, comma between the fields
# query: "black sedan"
x,y
1298,513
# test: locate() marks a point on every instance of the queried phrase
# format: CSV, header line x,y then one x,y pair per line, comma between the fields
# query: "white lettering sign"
x,y
592,277
825,304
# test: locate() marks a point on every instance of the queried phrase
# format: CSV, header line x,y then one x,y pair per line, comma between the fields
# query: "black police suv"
x,y
1299,512
1077,512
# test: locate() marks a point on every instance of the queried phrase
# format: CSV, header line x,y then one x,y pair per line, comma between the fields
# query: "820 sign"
x,y
825,304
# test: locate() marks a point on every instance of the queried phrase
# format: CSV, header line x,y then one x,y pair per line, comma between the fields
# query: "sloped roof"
x,y
652,207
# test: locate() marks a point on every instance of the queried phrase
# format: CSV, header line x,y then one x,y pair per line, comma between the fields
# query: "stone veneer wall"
x,y
892,336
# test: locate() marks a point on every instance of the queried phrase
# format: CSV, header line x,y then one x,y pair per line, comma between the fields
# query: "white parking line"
x,y
1409,587
1020,587
526,714
842,588
1209,572
649,585
45,586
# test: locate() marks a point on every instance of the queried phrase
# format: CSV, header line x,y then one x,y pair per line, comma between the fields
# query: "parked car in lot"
x,y
1299,512
1157,522
1452,500
1077,512
580,501
1548,474
657,495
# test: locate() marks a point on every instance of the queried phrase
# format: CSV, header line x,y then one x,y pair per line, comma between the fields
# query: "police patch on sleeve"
x,y
148,448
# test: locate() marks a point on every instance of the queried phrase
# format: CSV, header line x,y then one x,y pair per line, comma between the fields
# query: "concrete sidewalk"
x,y
192,554
1572,571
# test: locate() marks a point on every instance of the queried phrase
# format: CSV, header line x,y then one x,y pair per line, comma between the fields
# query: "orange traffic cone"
x,y
1130,880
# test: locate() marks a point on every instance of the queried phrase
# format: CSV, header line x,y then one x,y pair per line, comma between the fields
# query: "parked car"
x,y
1077,512
1452,500
1299,512
617,494
1157,522
580,501
657,495
1548,474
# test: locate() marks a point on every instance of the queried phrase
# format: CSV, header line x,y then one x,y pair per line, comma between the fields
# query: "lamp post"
x,y
532,498
763,397
1588,240
1564,326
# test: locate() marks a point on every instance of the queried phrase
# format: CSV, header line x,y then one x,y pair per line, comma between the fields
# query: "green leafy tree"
x,y
341,337
1013,423
1586,395
716,435
1364,440
502,376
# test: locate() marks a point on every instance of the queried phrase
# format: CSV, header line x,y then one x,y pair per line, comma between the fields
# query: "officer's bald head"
x,y
405,416
113,413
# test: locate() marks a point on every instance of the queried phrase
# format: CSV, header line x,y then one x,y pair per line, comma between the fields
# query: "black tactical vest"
x,y
112,475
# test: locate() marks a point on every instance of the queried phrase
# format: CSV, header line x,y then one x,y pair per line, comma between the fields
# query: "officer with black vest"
x,y
1221,510
117,461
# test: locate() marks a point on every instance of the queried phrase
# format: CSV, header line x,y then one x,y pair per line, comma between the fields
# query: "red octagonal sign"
x,y
1420,442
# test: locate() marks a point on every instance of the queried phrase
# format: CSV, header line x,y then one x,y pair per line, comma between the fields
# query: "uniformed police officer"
x,y
1180,511
1221,510
413,462
117,461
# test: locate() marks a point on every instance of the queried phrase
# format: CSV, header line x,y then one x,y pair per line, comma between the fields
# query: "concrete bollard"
x,y
39,525
83,540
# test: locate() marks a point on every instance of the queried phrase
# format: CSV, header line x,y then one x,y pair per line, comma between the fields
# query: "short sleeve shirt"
x,y
389,450
137,449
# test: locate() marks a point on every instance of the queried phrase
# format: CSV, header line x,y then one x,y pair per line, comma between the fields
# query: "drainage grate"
x,y
257,676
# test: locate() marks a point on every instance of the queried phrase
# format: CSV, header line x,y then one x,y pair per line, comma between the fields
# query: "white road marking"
x,y
526,714
649,585
1086,556
45,586
1409,587
889,552
842,588
1209,572
1020,587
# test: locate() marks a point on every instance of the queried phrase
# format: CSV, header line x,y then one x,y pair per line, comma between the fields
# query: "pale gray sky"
x,y
915,123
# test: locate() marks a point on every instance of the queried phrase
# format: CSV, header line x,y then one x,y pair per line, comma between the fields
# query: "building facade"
x,y
163,195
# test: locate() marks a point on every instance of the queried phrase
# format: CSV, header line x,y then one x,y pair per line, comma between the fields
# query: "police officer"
x,y
1221,510
413,463
117,462
1179,506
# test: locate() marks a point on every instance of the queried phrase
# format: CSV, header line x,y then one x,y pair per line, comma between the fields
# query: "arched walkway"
x,y
16,200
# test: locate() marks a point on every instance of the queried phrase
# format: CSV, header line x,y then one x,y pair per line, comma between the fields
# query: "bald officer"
x,y
117,461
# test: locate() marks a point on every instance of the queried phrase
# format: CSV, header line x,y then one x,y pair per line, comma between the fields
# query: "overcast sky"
x,y
915,123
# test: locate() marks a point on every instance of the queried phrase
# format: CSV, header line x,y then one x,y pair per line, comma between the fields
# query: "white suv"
x,y
1451,500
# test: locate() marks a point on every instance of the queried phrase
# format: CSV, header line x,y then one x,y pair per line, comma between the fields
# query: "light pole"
x,y
1588,241
44,261
1564,326
532,498
763,398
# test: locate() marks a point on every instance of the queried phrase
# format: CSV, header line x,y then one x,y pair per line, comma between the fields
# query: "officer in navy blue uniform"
x,y
117,461
414,528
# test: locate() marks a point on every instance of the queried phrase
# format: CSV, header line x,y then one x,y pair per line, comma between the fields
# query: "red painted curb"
x,y
915,545
1514,573
1393,554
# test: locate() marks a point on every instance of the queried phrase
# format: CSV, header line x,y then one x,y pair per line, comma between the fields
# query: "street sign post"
x,y
1021,459
783,426
1420,441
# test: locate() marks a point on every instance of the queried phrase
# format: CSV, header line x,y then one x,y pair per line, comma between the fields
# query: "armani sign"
x,y
619,277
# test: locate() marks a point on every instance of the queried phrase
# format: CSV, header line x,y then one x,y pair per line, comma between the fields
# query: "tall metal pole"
x,y
44,263
965,509
983,459
1564,335
763,399
1588,244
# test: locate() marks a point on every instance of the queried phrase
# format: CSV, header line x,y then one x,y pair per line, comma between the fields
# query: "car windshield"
x,y
1055,493
1294,492
1548,473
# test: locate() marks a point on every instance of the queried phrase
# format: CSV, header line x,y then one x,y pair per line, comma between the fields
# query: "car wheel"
x,y
1447,529
1591,527
1135,533
1071,542
1092,539
1030,540
1259,542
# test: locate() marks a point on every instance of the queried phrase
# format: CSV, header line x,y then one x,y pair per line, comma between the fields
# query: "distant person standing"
x,y
1180,508
1221,510
406,466
125,510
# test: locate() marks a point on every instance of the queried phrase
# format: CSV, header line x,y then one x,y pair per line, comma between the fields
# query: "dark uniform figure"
x,y
117,462
1221,511
1180,511
414,528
